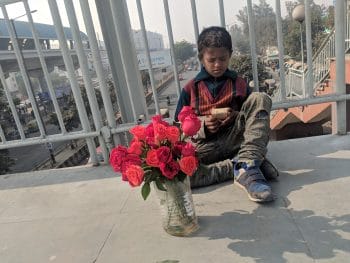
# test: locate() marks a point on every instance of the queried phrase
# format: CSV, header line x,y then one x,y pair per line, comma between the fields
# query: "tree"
x,y
5,160
265,25
321,20
240,42
183,50
242,64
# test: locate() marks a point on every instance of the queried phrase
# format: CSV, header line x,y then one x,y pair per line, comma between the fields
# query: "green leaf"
x,y
159,184
145,190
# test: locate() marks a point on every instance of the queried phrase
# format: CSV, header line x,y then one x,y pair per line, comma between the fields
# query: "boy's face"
x,y
215,60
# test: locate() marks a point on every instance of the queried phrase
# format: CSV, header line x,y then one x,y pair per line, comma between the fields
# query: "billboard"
x,y
159,59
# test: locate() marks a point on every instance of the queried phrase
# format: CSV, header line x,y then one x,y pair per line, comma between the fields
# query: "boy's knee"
x,y
261,100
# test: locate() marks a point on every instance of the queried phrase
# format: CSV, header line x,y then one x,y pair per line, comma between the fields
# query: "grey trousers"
x,y
245,140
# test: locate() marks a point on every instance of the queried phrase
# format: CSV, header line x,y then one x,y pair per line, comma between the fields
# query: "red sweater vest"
x,y
229,96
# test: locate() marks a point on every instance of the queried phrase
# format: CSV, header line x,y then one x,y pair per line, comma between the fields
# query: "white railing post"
x,y
71,76
83,62
98,65
148,56
310,80
19,55
171,43
44,67
282,86
339,121
251,24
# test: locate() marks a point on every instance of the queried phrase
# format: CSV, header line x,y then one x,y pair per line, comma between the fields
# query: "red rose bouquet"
x,y
158,152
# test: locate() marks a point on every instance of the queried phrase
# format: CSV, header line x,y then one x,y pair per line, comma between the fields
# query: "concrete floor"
x,y
87,214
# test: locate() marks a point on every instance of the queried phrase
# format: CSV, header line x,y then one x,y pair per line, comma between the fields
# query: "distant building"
x,y
155,40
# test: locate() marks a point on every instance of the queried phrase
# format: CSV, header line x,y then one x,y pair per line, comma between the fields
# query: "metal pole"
x,y
195,19
19,55
11,104
44,67
251,24
340,110
222,13
310,76
128,57
71,76
96,114
98,65
148,56
302,58
171,43
282,86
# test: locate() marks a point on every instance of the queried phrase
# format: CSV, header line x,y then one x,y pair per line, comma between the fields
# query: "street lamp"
x,y
298,14
31,12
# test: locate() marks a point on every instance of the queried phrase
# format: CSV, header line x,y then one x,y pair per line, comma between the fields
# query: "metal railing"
x,y
126,77
321,62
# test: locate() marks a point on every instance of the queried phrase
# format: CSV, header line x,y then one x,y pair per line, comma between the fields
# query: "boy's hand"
x,y
212,124
231,117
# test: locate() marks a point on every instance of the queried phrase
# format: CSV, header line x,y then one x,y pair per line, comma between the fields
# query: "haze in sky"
x,y
180,12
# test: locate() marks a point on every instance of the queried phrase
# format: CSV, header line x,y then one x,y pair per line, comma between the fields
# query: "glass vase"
x,y
177,208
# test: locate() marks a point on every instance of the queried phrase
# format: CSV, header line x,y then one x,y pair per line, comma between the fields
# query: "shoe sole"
x,y
253,198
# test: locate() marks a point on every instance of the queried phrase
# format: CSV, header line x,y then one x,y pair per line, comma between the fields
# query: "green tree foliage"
x,y
3,103
242,64
322,19
183,50
240,42
5,160
70,113
265,27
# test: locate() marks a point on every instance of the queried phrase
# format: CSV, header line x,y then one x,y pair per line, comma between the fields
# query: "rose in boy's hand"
x,y
190,124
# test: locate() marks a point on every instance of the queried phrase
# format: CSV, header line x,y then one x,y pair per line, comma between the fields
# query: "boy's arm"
x,y
184,100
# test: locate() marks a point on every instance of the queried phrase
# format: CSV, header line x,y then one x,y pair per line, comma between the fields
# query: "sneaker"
x,y
269,171
251,179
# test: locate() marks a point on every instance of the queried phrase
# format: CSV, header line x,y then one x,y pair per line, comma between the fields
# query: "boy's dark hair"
x,y
213,36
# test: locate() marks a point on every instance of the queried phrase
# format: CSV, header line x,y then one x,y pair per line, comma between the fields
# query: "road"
x,y
27,157
170,91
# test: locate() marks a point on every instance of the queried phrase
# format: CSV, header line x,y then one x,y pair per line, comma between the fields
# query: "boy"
x,y
233,144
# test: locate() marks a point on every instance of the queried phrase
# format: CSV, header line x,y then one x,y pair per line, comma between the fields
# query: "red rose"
x,y
160,132
164,154
158,119
173,134
130,159
177,148
135,147
170,169
149,130
117,156
135,175
139,132
188,165
149,134
185,111
152,159
188,150
191,125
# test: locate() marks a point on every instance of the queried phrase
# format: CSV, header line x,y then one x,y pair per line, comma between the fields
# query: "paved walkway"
x,y
87,214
